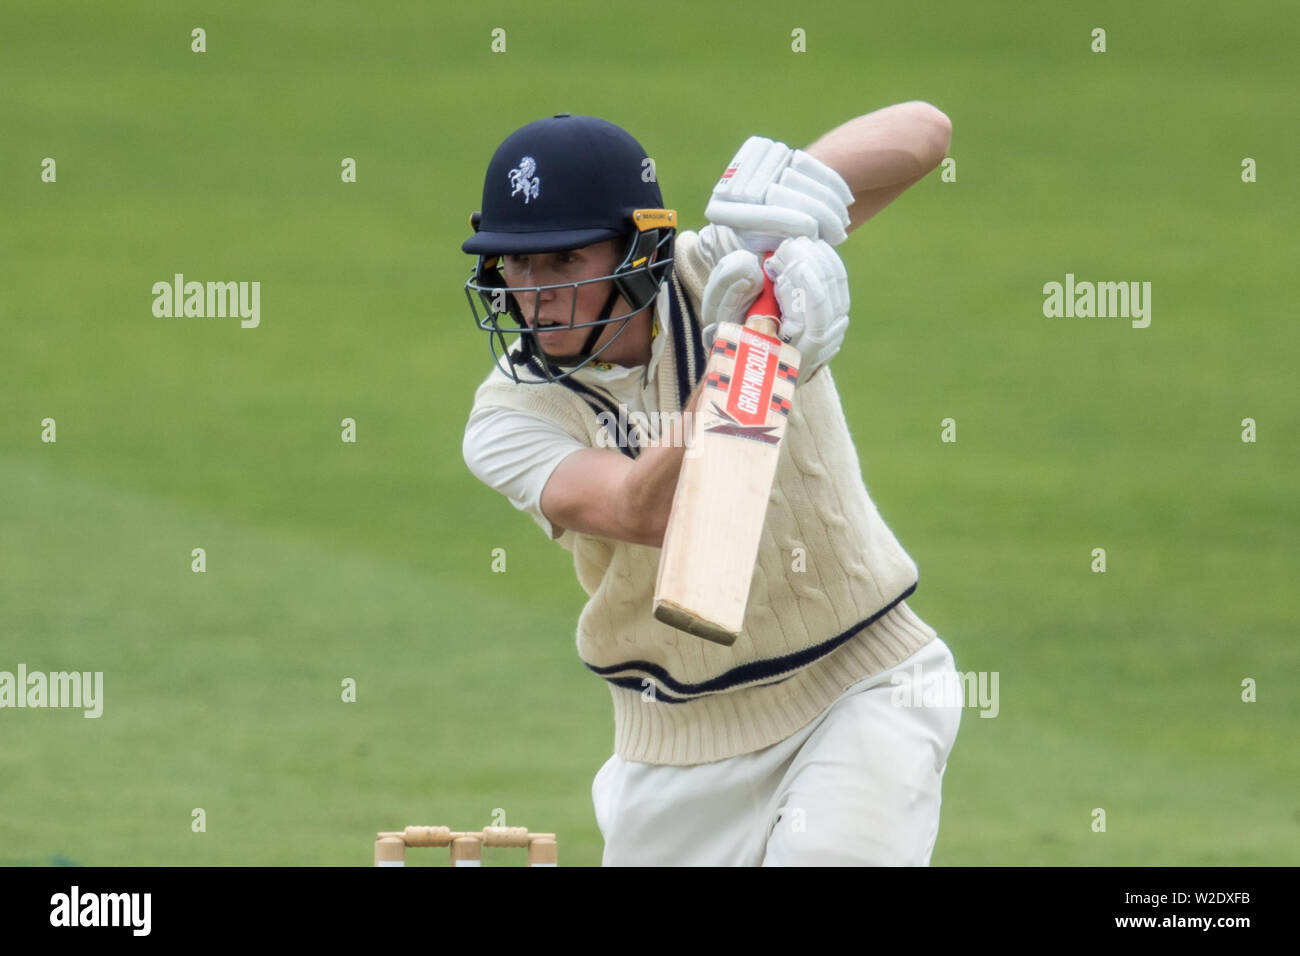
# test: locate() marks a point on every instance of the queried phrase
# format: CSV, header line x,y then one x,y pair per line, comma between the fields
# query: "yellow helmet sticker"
x,y
654,219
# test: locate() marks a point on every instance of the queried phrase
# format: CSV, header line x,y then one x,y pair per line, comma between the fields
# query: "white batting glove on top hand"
x,y
774,191
813,291
733,285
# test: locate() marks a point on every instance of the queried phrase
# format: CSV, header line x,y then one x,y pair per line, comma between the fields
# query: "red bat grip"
x,y
766,306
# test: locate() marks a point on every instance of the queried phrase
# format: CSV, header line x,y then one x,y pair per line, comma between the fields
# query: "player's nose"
x,y
538,276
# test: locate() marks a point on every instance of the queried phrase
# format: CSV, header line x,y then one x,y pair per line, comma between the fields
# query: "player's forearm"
x,y
882,153
648,490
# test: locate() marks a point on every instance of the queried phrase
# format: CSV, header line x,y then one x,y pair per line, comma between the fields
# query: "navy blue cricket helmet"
x,y
557,184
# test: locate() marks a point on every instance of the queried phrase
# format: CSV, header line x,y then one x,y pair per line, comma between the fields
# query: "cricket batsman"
x,y
790,747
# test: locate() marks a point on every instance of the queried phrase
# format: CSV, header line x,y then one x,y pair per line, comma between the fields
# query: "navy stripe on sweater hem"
x,y
638,684
755,672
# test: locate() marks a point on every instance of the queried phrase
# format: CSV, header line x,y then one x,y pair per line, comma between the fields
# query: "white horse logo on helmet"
x,y
523,180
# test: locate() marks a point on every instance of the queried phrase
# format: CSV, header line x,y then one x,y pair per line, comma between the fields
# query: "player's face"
x,y
556,306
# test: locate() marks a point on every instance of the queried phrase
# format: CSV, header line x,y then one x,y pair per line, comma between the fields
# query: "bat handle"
x,y
764,315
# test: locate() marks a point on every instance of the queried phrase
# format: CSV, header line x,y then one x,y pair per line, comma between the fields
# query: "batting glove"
x,y
773,191
733,285
715,242
813,291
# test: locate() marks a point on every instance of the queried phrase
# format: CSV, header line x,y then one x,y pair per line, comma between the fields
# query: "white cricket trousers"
x,y
859,786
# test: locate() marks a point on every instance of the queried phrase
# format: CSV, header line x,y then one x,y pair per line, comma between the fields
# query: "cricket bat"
x,y
718,510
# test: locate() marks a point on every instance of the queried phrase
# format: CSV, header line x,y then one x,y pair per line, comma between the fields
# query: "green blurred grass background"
x,y
372,561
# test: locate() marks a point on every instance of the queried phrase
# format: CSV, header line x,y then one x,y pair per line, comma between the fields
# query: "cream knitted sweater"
x,y
826,607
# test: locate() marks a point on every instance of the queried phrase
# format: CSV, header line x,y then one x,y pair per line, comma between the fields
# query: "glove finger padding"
x,y
816,269
772,191
769,222
816,170
812,288
733,285
796,190
715,242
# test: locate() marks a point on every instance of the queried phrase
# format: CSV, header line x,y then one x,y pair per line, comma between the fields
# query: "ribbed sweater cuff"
x,y
743,721
689,265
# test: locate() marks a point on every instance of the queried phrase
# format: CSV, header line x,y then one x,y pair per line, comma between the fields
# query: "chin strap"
x,y
605,312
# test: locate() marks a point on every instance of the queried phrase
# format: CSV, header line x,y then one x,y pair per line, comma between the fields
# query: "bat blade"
x,y
711,543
